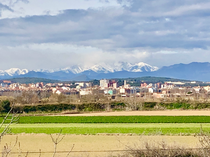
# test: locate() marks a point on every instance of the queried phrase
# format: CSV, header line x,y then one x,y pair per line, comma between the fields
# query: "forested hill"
x,y
148,79
27,80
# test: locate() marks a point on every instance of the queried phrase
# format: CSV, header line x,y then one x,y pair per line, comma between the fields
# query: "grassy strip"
x,y
114,119
147,129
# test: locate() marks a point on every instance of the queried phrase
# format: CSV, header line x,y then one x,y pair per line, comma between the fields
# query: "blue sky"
x,y
48,34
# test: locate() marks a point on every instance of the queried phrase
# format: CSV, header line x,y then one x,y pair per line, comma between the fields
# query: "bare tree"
x,y
7,121
56,141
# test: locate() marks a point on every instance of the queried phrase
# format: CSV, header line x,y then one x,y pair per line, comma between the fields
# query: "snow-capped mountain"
x,y
94,71
137,67
140,67
13,72
98,68
76,69
110,68
193,71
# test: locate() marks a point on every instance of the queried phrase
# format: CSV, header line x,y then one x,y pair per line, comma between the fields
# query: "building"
x,y
167,86
104,83
143,85
112,84
158,85
85,92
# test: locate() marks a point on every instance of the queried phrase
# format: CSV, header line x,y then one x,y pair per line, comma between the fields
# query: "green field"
x,y
114,119
148,125
147,129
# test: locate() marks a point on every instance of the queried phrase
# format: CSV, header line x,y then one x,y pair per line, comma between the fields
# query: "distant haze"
x,y
50,34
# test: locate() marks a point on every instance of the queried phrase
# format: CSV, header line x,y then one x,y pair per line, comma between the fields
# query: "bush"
x,y
186,106
162,150
117,105
176,105
92,107
202,105
18,109
149,104
5,106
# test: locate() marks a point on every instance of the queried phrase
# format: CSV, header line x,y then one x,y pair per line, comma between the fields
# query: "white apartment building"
x,y
104,83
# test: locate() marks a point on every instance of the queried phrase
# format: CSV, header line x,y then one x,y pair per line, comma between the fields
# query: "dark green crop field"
x,y
114,119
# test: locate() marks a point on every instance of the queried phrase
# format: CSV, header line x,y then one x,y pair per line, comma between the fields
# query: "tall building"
x,y
158,85
124,82
126,85
104,83
115,85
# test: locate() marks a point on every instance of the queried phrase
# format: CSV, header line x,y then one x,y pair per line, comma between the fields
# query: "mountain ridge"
x,y
98,68
193,71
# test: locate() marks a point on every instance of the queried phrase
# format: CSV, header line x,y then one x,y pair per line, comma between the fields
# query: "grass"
x,y
147,129
114,119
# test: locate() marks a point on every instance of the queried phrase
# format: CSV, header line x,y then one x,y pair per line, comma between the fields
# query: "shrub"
x,y
5,106
18,109
186,106
149,104
202,105
117,105
91,107
176,105
161,149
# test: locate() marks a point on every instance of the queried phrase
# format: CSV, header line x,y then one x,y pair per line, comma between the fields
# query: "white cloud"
x,y
167,52
49,7
51,56
66,32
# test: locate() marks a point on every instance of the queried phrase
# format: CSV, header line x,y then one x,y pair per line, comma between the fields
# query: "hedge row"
x,y
64,107
176,105
182,105
104,106
48,108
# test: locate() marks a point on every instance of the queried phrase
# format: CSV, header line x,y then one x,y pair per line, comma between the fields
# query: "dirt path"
x,y
90,145
147,113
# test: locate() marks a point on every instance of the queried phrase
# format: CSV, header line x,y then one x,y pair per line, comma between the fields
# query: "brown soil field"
x,y
88,145
147,113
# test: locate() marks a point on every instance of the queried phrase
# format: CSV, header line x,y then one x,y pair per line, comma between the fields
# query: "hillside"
x,y
27,80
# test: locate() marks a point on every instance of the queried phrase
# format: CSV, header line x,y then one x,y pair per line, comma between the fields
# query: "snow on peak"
x,y
76,69
140,67
102,68
98,68
14,71
107,68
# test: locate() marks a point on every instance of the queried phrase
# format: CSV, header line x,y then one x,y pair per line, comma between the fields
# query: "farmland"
x,y
112,128
108,132
114,119
147,125
89,145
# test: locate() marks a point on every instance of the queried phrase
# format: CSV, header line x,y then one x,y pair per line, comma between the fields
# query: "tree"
x,y
28,97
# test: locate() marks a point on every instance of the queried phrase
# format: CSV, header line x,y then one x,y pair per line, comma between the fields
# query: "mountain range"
x,y
106,68
192,71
